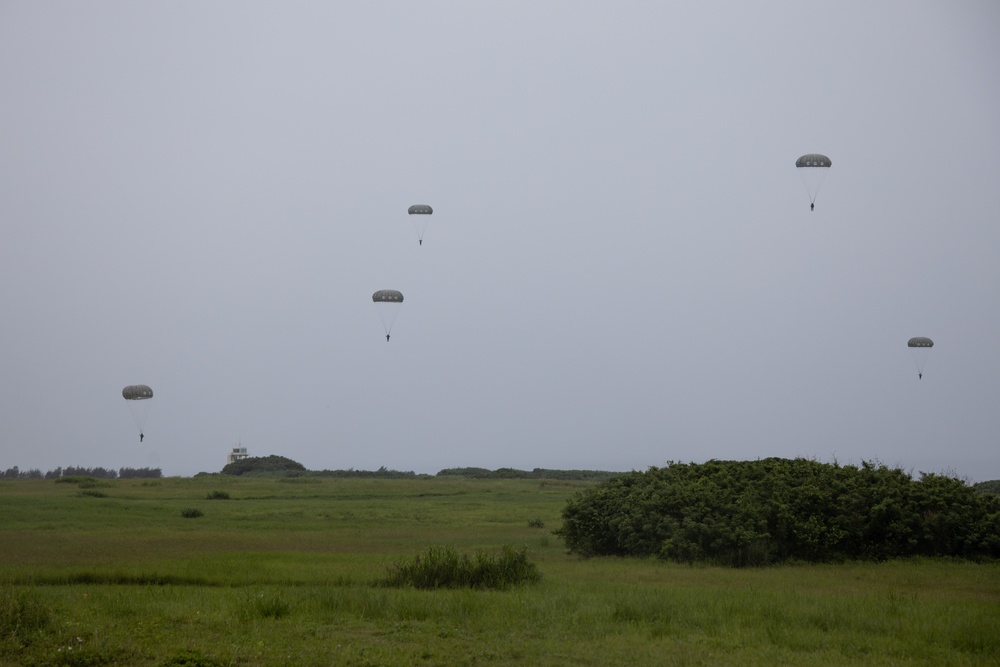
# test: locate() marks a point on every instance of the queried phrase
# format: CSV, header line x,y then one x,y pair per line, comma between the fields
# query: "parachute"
x,y
420,223
813,167
387,302
138,396
920,347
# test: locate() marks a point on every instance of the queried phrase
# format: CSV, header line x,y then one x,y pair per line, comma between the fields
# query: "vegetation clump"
x,y
264,466
992,487
218,495
263,606
774,510
191,513
444,567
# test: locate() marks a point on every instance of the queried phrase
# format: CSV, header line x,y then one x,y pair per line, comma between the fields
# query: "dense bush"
x,y
444,567
264,466
992,486
775,510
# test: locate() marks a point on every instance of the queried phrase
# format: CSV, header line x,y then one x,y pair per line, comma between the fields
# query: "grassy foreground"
x,y
285,571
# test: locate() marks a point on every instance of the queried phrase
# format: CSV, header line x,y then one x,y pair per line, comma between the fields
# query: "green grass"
x,y
292,573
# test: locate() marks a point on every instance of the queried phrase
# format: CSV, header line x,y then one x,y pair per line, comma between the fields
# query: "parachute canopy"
x,y
382,296
421,209
920,341
137,392
813,160
387,303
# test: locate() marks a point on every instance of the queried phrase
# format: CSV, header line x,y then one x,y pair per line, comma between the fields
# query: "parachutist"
x,y
141,436
387,302
920,376
813,169
420,222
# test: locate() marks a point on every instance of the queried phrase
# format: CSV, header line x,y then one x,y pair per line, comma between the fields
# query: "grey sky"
x,y
621,269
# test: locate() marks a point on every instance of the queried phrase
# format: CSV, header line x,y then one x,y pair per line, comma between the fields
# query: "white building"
x,y
237,454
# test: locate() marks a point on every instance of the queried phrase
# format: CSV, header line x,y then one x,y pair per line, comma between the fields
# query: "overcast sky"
x,y
621,269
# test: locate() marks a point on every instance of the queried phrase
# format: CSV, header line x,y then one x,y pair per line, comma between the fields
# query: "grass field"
x,y
286,572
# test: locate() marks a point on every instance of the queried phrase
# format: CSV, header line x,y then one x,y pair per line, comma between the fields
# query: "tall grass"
x,y
22,619
444,567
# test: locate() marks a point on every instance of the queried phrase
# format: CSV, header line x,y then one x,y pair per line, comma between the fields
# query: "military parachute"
x,y
920,347
387,303
138,398
813,168
420,221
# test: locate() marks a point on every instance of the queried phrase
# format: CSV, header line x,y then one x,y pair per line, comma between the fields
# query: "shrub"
x,y
264,466
191,513
444,567
218,495
742,513
90,493
536,523
992,486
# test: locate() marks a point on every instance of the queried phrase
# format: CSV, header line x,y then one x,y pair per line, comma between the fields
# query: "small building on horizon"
x,y
237,454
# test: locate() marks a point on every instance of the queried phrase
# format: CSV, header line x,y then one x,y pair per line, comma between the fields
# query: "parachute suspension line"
x,y
811,192
140,413
920,348
920,363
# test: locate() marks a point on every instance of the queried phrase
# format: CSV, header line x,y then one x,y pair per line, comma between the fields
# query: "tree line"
x,y
535,473
78,471
280,466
